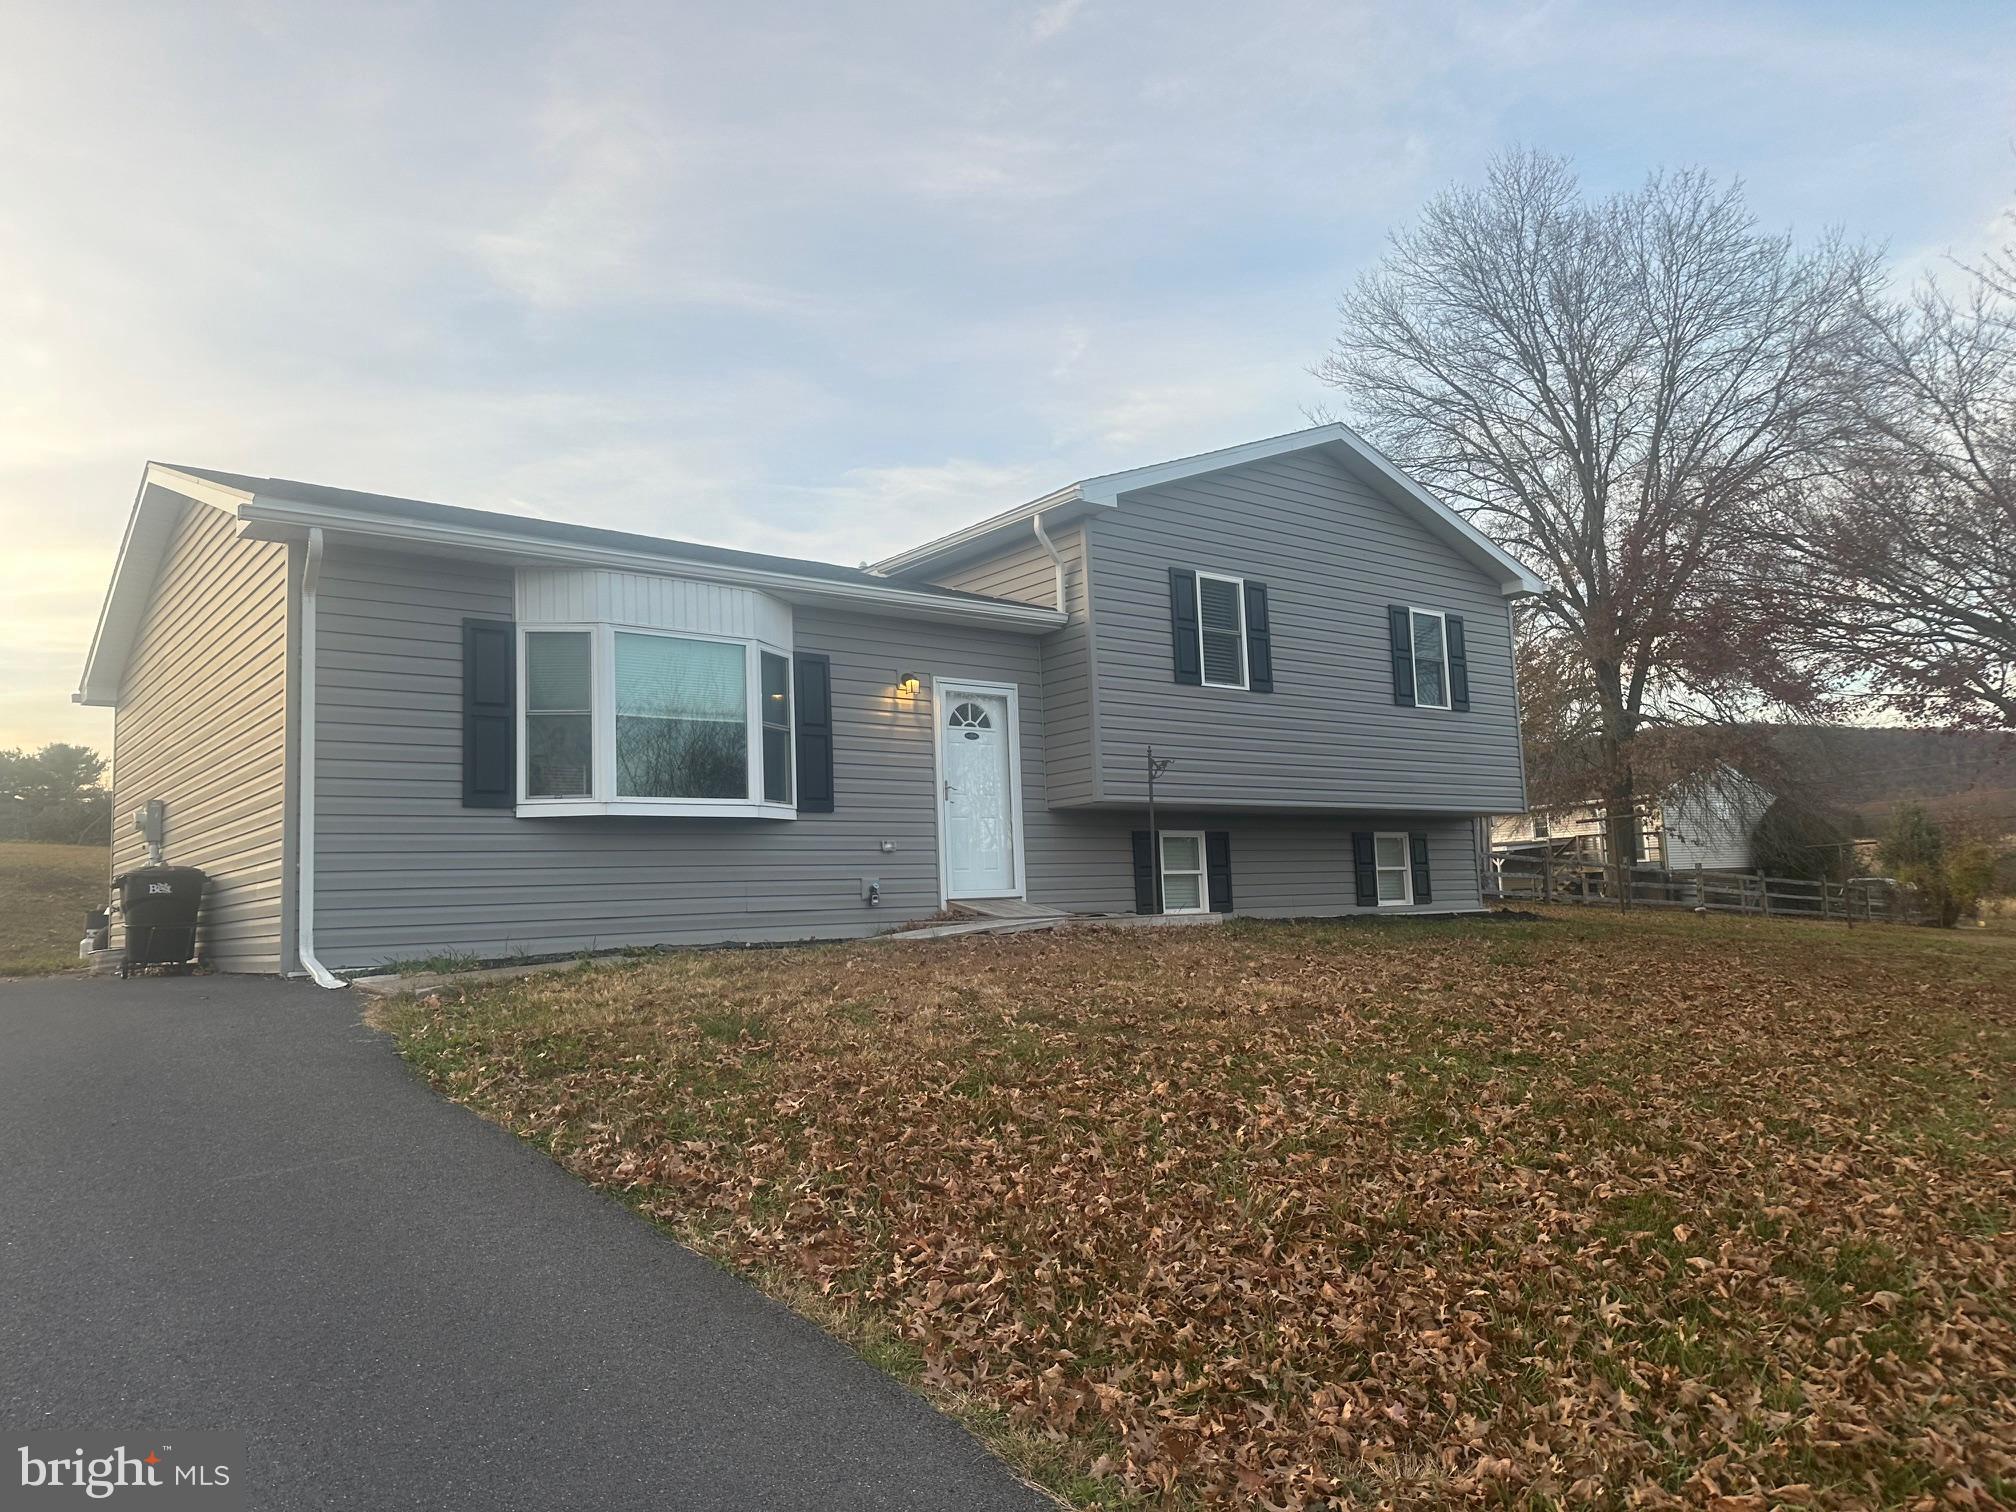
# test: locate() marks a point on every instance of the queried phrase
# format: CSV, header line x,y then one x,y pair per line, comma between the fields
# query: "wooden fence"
x,y
1873,900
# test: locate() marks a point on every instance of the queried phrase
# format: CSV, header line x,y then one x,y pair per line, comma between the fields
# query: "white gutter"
x,y
1056,561
311,577
1002,613
976,533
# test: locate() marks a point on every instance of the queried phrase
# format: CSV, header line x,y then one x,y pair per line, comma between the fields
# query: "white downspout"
x,y
1056,561
311,576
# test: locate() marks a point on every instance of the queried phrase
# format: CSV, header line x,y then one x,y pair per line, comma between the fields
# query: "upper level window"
x,y
1221,630
1431,659
1431,668
651,722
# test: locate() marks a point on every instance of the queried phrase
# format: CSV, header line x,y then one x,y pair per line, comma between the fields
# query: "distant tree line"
x,y
56,795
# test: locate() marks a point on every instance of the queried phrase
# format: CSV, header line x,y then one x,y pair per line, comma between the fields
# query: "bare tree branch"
x,y
1897,570
1619,390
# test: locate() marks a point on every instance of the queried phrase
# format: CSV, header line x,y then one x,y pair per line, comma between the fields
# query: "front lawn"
x,y
1589,1211
44,891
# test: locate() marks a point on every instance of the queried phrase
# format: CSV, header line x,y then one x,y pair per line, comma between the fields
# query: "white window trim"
x,y
790,726
1203,870
1414,664
603,798
1245,682
943,690
1406,899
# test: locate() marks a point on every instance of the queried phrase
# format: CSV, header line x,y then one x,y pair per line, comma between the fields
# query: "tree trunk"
x,y
1621,826
1620,806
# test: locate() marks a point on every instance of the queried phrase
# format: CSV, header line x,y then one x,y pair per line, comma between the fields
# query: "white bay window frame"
x,y
603,798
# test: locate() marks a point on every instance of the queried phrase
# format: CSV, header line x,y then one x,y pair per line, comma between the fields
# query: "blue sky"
x,y
822,279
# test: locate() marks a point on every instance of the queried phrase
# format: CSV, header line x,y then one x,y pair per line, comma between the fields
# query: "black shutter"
x,y
1145,876
1259,640
1417,847
489,714
1364,862
1399,628
1218,870
1183,646
815,734
1459,665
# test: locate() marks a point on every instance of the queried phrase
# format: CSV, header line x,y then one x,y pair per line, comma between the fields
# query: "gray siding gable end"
x,y
1334,552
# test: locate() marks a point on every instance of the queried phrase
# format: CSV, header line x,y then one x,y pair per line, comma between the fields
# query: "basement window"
x,y
1396,877
1182,871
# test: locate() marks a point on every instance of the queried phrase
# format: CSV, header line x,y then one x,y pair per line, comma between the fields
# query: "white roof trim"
x,y
165,491
1105,491
157,505
979,532
270,518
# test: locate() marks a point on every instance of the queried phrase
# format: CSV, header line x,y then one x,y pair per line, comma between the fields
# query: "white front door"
x,y
977,801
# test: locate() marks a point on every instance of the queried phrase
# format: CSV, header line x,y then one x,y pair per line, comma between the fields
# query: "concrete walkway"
x,y
225,1204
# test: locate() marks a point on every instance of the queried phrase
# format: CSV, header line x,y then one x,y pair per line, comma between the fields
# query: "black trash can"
x,y
158,906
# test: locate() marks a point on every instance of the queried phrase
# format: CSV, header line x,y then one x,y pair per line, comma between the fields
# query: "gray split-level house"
x,y
390,729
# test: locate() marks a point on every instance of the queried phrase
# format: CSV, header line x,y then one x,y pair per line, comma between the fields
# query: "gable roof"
x,y
1340,441
280,509
360,507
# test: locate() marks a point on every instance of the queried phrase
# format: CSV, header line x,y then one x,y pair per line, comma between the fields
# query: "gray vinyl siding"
x,y
201,723
1024,571
404,871
1333,555
1284,865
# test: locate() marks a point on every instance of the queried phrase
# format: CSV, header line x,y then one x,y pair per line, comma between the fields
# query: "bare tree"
x,y
1903,561
1615,389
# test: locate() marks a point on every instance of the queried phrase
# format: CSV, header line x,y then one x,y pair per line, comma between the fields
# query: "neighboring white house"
x,y
1709,823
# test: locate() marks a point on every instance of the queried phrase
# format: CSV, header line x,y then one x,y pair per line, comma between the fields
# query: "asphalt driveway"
x,y
225,1204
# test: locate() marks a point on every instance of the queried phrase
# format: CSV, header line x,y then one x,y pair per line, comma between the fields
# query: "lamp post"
x,y
1155,769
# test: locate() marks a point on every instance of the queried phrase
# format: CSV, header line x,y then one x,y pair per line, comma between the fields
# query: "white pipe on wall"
x,y
311,577
1056,561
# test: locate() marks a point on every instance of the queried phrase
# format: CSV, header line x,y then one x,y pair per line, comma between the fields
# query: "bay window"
x,y
682,717
559,715
620,720
777,744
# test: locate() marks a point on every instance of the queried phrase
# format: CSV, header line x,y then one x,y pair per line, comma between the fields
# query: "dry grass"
x,y
1589,1211
44,890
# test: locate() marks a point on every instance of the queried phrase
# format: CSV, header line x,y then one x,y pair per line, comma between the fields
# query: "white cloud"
x,y
825,282
1053,18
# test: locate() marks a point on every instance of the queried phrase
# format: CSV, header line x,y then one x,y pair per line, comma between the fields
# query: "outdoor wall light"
x,y
907,684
